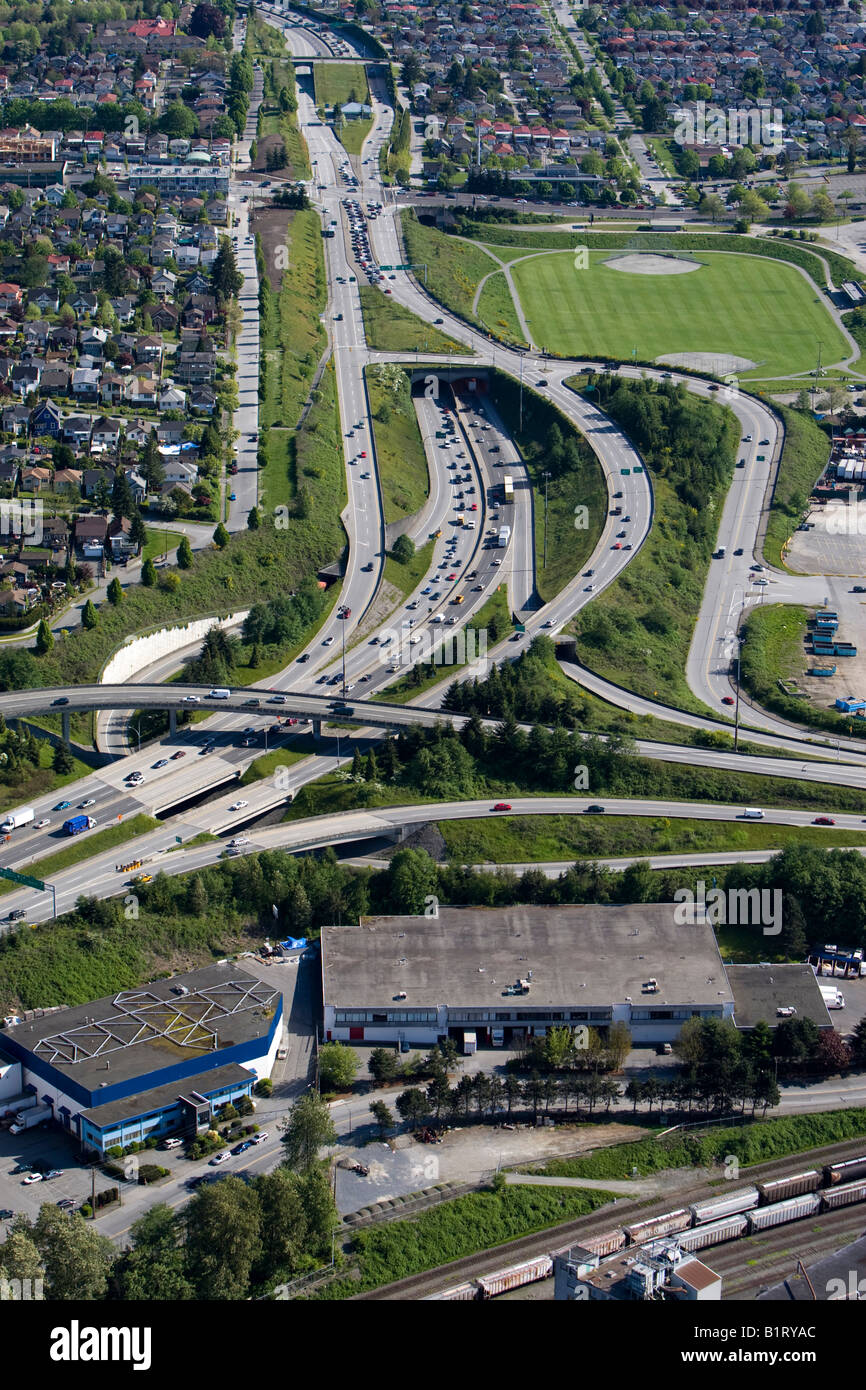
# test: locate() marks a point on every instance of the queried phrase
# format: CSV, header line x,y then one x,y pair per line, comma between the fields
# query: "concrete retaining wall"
x,y
143,651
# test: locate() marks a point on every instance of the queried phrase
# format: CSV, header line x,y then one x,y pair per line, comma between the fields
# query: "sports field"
x,y
744,305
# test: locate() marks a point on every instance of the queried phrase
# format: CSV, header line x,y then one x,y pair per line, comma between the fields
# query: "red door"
x,y
356,1034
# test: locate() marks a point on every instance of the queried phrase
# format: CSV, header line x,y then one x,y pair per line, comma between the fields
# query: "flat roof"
x,y
759,990
847,1266
137,1031
466,957
117,1111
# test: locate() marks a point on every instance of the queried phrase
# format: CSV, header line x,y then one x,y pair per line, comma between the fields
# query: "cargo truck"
x,y
76,824
470,1043
833,997
16,819
28,1119
9,1109
508,487
504,536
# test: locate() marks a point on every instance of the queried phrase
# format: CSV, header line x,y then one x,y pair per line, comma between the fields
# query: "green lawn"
x,y
340,82
389,327
159,543
399,448
804,457
352,134
496,310
407,577
454,267
536,839
752,307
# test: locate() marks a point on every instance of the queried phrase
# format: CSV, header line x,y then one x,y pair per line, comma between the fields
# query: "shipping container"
x,y
852,1170
664,1225
606,1244
794,1210
516,1276
844,1196
714,1233
715,1208
780,1189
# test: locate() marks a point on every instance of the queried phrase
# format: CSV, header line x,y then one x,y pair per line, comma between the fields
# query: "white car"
x,y
41,824
549,623
220,1158
238,841
238,805
191,700
32,1177
260,1137
328,641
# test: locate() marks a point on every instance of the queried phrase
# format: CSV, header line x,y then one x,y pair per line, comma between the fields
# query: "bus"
x,y
508,485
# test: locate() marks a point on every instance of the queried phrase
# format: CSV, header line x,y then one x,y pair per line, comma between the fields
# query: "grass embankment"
x,y
267,764
549,442
540,839
277,118
493,618
396,1249
397,156
496,311
338,84
406,576
400,453
85,846
36,781
758,1142
454,268
389,327
773,651
638,631
804,456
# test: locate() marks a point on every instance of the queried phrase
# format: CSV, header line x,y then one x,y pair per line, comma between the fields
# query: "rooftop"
x,y
759,990
139,1031
467,957
117,1111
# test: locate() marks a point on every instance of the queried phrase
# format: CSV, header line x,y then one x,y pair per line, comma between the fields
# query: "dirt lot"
x,y
271,225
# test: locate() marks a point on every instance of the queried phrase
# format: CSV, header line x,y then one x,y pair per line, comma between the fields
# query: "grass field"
x,y
497,313
389,327
804,456
536,839
399,448
454,267
406,577
755,308
340,82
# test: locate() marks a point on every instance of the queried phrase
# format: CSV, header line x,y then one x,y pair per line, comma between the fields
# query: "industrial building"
x,y
508,973
151,1061
505,974
658,1271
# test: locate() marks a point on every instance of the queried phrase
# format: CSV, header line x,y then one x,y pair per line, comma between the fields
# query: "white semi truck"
x,y
16,819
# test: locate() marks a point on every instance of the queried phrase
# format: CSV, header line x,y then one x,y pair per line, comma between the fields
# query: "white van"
x,y
218,694
751,813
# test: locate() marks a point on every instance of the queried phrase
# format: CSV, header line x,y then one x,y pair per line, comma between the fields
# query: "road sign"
x,y
386,267
23,878
178,839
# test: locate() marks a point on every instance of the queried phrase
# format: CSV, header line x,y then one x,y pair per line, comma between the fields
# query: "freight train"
x,y
745,1211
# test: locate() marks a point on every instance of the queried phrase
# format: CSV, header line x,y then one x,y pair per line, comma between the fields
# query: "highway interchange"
x,y
478,453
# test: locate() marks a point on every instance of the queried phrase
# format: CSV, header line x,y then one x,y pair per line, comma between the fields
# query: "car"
x,y
739,550
823,820
21,1168
621,535
757,569
727,699
191,700
759,580
63,806
747,439
449,577
17,914
260,1138
41,824
6,1214
63,700
179,754
82,805
65,1203
30,1178
233,497
242,1147
762,443
329,641
238,805
617,545
859,589
220,1158
549,623
595,810
437,322
363,454
502,806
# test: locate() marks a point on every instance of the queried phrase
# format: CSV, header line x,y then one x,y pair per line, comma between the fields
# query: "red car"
x,y
474,507
502,806
617,545
451,576
823,820
363,454
179,754
727,699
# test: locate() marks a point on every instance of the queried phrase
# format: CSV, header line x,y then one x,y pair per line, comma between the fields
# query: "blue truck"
x,y
76,824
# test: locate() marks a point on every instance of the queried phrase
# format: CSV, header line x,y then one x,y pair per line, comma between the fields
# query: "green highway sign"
x,y
386,267
23,878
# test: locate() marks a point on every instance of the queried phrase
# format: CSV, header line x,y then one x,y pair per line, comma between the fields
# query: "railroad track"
x,y
417,1286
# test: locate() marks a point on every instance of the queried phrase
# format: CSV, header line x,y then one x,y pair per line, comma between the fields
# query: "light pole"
x,y
137,728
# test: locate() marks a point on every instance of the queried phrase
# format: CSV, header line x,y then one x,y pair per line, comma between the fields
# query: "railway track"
x,y
417,1286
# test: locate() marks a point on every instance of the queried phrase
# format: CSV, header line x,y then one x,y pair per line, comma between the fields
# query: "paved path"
x,y
627,1189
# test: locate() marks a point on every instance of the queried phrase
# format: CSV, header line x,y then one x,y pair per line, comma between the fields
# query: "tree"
x,y
154,1268
178,122
44,638
152,468
122,500
254,519
221,537
412,880
138,532
184,553
148,574
412,1106
77,1259
559,1047
712,206
62,760
858,1043
285,1229
618,1044
19,1257
225,276
834,1054
403,549
223,1239
310,1127
383,1117
89,615
338,1066
207,20
382,1065
114,592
